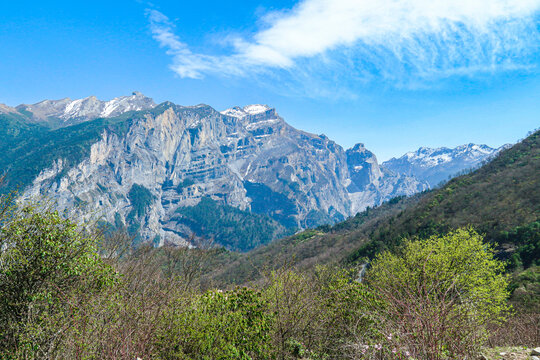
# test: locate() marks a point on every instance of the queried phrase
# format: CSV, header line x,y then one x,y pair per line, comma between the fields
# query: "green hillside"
x,y
500,200
230,227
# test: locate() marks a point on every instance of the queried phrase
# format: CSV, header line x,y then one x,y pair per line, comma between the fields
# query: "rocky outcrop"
x,y
370,184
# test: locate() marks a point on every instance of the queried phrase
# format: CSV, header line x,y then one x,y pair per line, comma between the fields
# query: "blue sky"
x,y
393,74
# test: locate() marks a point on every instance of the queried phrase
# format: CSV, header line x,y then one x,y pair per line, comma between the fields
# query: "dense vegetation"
x,y
229,226
140,198
68,294
276,205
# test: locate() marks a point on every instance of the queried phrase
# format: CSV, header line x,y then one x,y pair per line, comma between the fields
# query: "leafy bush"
x,y
527,240
525,288
44,261
440,294
217,325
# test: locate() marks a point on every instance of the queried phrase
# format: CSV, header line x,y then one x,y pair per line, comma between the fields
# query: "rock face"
x,y
371,184
434,166
65,112
171,157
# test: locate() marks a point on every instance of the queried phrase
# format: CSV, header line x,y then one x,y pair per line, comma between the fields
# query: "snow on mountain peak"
x,y
437,164
69,111
256,109
253,109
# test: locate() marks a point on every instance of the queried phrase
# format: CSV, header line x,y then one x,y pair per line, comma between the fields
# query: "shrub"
x,y
216,325
439,294
316,313
44,260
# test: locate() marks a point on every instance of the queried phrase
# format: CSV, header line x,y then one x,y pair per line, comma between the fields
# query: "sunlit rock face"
x,y
248,158
370,184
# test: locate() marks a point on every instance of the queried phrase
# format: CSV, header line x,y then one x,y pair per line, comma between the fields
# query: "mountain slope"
x,y
500,200
148,170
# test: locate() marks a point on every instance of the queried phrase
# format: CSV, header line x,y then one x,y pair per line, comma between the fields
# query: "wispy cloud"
x,y
398,41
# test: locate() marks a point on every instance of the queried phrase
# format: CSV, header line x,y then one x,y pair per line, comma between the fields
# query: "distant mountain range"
x,y
440,164
165,171
65,112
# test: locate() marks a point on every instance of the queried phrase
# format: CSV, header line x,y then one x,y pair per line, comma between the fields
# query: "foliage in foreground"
x,y
60,300
440,294
45,264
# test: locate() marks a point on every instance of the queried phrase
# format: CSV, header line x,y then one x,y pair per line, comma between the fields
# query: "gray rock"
x,y
535,351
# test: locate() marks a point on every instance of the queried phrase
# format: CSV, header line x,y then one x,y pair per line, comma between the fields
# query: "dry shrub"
x,y
521,329
315,313
123,322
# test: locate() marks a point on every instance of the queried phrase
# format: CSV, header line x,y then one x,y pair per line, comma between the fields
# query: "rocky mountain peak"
x,y
249,110
4,109
363,167
434,165
360,147
65,112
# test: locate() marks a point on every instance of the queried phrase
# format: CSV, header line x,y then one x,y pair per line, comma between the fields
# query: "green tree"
x,y
440,294
44,260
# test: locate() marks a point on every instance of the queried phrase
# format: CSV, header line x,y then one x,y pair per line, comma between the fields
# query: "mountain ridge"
x,y
66,112
500,200
436,165
246,157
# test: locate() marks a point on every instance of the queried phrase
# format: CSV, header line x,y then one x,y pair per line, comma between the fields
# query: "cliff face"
x,y
170,157
370,184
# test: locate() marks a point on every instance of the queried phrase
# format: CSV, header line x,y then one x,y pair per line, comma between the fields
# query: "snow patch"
x,y
253,109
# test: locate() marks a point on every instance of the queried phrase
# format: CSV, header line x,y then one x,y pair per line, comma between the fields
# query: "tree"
x,y
44,260
439,294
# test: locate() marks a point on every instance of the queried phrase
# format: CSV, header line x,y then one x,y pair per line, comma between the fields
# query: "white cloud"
x,y
393,40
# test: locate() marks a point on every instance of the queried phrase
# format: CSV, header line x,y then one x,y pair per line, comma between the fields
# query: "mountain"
x,y
65,112
501,200
148,170
242,176
371,184
434,166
